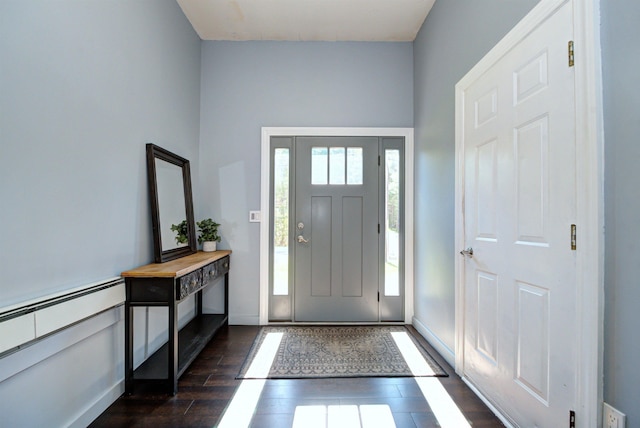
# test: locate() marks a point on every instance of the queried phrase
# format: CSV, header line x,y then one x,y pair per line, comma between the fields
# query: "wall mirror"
x,y
174,232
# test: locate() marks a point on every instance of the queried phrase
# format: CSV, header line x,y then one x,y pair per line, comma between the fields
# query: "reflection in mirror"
x,y
171,205
169,177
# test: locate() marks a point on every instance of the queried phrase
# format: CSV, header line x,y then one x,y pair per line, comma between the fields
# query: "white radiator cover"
x,y
62,355
33,320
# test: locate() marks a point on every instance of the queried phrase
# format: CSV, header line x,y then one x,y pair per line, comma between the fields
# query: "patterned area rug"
x,y
338,351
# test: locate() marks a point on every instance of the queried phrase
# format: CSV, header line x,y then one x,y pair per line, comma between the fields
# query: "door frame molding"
x,y
589,197
267,133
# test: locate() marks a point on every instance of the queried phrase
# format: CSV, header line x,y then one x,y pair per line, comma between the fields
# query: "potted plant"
x,y
182,229
208,236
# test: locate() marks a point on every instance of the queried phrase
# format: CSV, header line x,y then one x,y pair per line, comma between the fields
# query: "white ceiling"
x,y
307,20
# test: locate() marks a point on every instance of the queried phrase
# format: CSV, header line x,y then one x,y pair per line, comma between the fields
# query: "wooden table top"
x,y
177,267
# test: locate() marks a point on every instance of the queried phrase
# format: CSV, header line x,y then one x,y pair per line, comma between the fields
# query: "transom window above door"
x,y
336,166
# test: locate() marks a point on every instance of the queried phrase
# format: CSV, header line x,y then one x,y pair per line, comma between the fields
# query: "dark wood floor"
x,y
209,385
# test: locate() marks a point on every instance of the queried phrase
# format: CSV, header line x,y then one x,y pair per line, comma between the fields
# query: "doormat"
x,y
342,351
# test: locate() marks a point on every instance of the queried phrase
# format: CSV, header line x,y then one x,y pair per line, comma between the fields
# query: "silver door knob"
x,y
301,239
467,253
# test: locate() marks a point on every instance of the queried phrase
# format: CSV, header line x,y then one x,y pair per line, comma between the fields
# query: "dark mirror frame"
x,y
154,152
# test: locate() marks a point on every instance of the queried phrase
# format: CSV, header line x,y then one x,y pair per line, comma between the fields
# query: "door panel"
x,y
519,204
487,326
352,246
532,361
486,190
531,146
336,270
320,246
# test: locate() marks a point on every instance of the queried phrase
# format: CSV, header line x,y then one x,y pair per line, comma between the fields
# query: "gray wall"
x,y
248,85
84,84
454,37
621,62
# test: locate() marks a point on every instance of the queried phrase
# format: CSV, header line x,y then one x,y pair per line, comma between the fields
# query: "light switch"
x,y
254,216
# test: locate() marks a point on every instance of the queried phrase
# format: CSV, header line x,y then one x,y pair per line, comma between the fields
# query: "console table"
x,y
166,285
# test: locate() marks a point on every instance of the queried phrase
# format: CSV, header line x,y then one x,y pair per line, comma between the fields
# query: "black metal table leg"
x,y
128,342
172,371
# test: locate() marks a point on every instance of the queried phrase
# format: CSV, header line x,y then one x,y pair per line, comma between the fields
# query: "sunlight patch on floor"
x,y
347,416
376,415
442,405
245,400
242,407
343,416
412,356
261,364
310,417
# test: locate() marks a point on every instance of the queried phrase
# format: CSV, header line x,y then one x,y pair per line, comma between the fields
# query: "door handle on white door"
x,y
301,239
467,253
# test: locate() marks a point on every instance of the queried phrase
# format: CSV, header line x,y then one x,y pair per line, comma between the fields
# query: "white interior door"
x,y
519,207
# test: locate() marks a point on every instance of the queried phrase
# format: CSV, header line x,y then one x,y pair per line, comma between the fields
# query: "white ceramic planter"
x,y
209,246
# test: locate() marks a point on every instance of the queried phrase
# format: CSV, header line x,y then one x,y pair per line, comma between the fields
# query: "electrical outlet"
x,y
612,418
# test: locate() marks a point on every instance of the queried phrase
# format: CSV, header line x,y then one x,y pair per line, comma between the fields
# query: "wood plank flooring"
x,y
205,390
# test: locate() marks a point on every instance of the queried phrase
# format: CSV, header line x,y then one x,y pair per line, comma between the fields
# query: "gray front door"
x,y
336,229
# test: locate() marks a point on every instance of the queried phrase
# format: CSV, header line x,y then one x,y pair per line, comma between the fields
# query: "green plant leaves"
x,y
182,230
208,231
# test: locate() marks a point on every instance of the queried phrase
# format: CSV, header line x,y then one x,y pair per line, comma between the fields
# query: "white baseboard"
x,y
435,341
488,403
100,405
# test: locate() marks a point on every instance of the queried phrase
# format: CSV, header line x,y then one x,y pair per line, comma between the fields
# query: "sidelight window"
x,y
392,223
281,222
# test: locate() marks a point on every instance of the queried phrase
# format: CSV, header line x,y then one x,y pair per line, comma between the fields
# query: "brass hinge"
x,y
572,419
573,237
571,57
